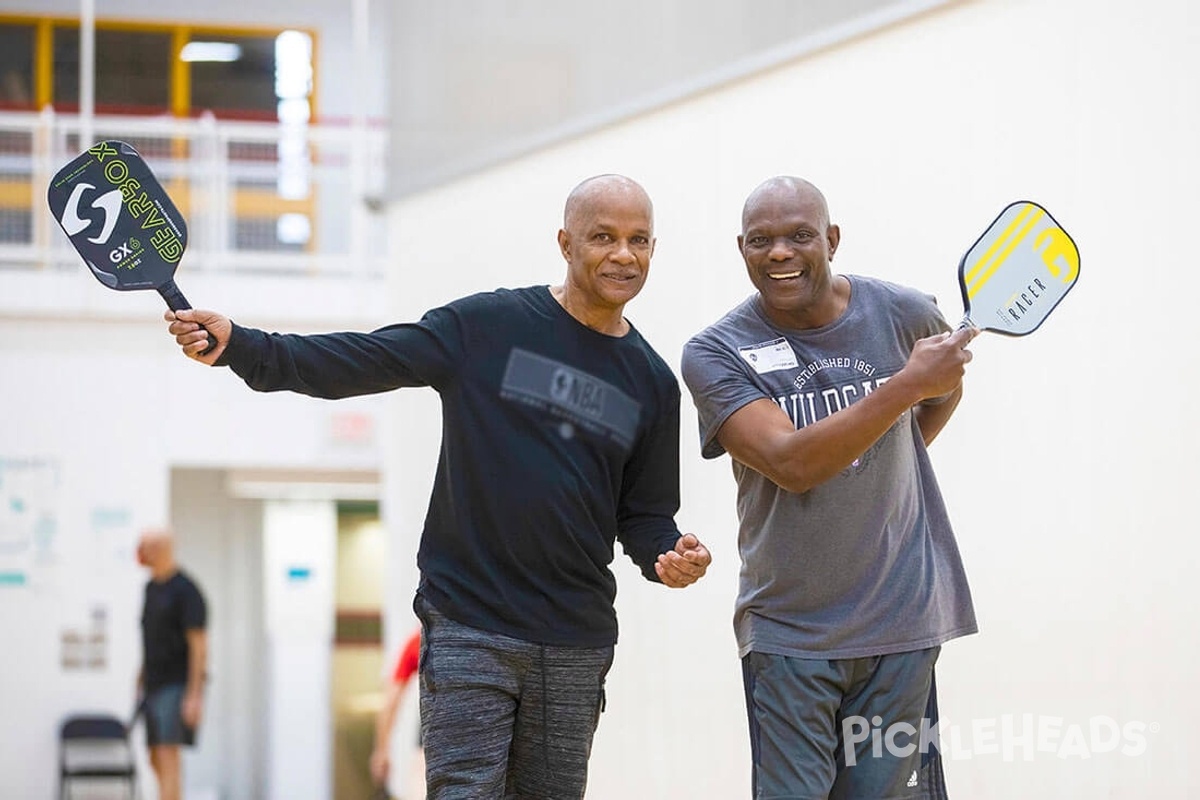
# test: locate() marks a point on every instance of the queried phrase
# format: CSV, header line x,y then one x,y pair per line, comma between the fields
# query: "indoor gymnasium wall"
x,y
96,413
1066,479
98,407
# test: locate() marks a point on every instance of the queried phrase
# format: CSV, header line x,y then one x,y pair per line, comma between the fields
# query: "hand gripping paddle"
x,y
120,219
1017,271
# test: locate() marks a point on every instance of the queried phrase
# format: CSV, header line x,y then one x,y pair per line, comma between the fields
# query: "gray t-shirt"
x,y
865,563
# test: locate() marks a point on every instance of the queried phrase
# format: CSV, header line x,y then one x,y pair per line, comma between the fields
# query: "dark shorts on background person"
x,y
163,708
503,717
844,729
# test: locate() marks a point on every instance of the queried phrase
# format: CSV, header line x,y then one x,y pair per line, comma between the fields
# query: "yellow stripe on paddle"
x,y
996,255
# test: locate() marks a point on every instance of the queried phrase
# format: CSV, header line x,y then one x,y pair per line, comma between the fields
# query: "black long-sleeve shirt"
x,y
556,441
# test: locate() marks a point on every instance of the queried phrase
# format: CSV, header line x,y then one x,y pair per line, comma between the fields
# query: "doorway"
x,y
356,687
280,555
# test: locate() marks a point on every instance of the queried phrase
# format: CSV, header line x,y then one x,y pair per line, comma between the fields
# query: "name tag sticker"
x,y
770,356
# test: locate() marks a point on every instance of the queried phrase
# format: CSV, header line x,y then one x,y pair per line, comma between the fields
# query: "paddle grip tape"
x,y
177,302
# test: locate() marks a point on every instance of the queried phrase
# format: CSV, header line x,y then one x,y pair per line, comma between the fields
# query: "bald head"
x,y
785,190
156,549
158,534
600,190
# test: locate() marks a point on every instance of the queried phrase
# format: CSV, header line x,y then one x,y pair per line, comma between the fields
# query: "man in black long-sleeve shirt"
x,y
560,436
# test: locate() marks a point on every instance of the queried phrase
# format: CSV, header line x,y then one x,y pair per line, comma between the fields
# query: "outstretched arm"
x,y
327,365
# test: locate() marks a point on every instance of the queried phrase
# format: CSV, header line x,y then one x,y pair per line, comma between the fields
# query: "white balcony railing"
x,y
264,198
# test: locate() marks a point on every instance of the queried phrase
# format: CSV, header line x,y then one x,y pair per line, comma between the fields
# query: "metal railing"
x,y
258,197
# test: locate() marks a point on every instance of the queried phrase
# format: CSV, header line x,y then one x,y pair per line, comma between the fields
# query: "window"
x,y
159,69
16,66
133,70
151,69
243,86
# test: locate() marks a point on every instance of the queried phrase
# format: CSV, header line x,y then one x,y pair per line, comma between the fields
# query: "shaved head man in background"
x,y
174,655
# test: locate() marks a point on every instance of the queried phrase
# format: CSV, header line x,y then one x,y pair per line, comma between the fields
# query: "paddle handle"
x,y
177,302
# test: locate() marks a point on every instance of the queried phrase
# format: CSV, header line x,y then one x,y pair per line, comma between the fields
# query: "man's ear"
x,y
739,243
833,235
564,244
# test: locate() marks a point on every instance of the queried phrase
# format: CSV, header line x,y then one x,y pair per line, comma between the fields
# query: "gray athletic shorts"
x,y
163,708
845,729
505,718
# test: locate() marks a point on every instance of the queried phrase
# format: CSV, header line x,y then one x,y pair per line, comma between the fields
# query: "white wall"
x,y
1067,466
454,67
114,406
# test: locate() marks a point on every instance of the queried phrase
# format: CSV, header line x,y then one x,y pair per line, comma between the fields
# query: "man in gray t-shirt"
x,y
825,390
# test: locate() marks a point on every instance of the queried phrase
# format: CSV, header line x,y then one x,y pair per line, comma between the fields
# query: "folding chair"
x,y
95,747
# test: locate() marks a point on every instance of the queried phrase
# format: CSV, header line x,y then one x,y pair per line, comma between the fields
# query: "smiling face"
x,y
787,244
607,240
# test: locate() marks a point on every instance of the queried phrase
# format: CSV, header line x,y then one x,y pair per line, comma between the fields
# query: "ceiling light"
x,y
210,51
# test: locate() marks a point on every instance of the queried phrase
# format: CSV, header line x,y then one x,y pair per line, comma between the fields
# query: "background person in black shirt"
x,y
175,650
